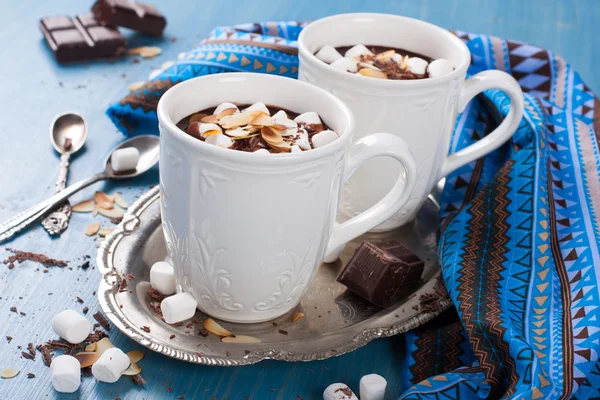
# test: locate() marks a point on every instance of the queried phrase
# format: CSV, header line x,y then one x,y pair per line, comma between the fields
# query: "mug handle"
x,y
371,146
485,80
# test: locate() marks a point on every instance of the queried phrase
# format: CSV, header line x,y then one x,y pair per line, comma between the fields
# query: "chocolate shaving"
x,y
14,309
172,336
87,371
9,338
346,391
95,336
85,265
27,355
102,320
122,284
22,256
31,349
146,328
155,295
46,355
283,332
202,332
85,310
79,300
30,375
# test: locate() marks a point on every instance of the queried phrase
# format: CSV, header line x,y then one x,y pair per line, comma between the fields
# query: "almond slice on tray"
x,y
240,339
115,212
213,327
120,201
84,207
297,316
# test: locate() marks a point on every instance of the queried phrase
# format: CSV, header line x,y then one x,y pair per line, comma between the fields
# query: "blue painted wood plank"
x,y
33,88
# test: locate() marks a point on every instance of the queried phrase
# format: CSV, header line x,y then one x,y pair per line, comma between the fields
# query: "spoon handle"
x,y
57,221
21,221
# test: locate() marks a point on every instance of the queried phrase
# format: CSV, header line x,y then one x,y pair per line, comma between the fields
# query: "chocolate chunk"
x,y
81,39
377,275
140,17
102,321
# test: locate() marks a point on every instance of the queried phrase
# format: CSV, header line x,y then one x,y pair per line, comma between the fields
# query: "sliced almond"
x,y
385,56
241,132
279,127
240,339
106,231
103,344
145,51
197,117
87,359
133,369
236,120
213,327
404,64
95,210
103,200
90,347
120,202
9,373
209,119
371,73
136,86
369,66
226,112
297,316
84,207
271,135
135,356
261,120
283,147
115,212
92,229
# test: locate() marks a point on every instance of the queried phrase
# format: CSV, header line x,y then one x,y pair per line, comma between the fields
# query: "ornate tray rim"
x,y
109,282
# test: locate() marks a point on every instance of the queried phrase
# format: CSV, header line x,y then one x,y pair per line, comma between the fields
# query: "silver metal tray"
x,y
335,322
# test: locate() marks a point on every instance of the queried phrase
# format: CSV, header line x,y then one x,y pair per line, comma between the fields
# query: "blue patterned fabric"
x,y
520,227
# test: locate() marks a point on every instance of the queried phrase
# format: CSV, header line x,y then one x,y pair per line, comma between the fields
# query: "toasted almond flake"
x,y
198,117
210,119
297,316
385,56
133,369
87,359
120,202
145,51
106,231
9,373
369,66
103,200
90,347
95,210
92,229
236,120
271,135
404,64
84,207
116,212
136,86
241,132
226,112
103,344
135,356
261,120
371,73
240,339
213,327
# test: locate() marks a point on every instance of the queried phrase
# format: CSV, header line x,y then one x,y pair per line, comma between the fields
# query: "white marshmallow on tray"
x,y
162,278
125,159
345,64
439,67
71,326
66,374
178,308
417,66
356,51
338,391
328,54
372,387
310,117
323,138
224,106
257,107
219,140
110,365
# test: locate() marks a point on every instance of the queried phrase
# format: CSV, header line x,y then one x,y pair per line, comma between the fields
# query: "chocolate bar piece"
x,y
140,17
378,275
81,39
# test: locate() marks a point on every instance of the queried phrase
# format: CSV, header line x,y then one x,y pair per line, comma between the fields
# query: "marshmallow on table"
x,y
356,51
224,106
372,387
328,54
125,159
219,140
257,107
66,374
162,278
178,308
338,391
439,67
345,64
324,137
71,326
110,365
417,65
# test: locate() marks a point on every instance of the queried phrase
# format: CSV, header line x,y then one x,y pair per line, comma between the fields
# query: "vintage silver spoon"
x,y
68,133
147,145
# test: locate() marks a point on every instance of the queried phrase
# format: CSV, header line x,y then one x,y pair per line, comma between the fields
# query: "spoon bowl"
x,y
68,133
147,145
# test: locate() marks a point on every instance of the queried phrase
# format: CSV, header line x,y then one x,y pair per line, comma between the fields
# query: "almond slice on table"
x,y
103,200
84,207
87,359
133,369
9,373
103,344
95,210
92,229
145,51
136,86
135,356
297,316
106,231
240,339
90,347
120,202
213,327
115,212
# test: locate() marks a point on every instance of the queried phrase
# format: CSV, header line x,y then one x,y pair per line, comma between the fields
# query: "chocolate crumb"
x,y
247,352
274,323
138,380
85,310
9,338
87,371
155,295
27,355
299,397
85,265
30,375
122,284
45,271
14,309
202,332
22,256
79,300
102,320
146,328
283,332
46,355
172,336
345,390
272,390
228,354
31,349
169,389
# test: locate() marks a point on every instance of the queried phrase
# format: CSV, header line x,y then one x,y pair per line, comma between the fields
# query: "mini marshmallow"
x,y
417,65
302,140
224,106
328,54
439,67
66,374
257,107
296,149
345,64
209,129
178,308
372,387
280,116
162,278
323,138
125,159
219,140
110,365
71,326
261,151
310,117
356,51
338,391
398,58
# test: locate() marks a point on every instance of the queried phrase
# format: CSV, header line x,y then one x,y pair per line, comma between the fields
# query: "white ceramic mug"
x,y
246,232
422,112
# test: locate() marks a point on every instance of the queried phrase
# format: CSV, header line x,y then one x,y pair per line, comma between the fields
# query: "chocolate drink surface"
x,y
258,128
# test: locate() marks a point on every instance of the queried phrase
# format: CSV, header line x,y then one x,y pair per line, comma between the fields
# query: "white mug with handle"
x,y
422,112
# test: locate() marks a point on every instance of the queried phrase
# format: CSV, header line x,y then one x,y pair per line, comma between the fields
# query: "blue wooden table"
x,y
33,89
